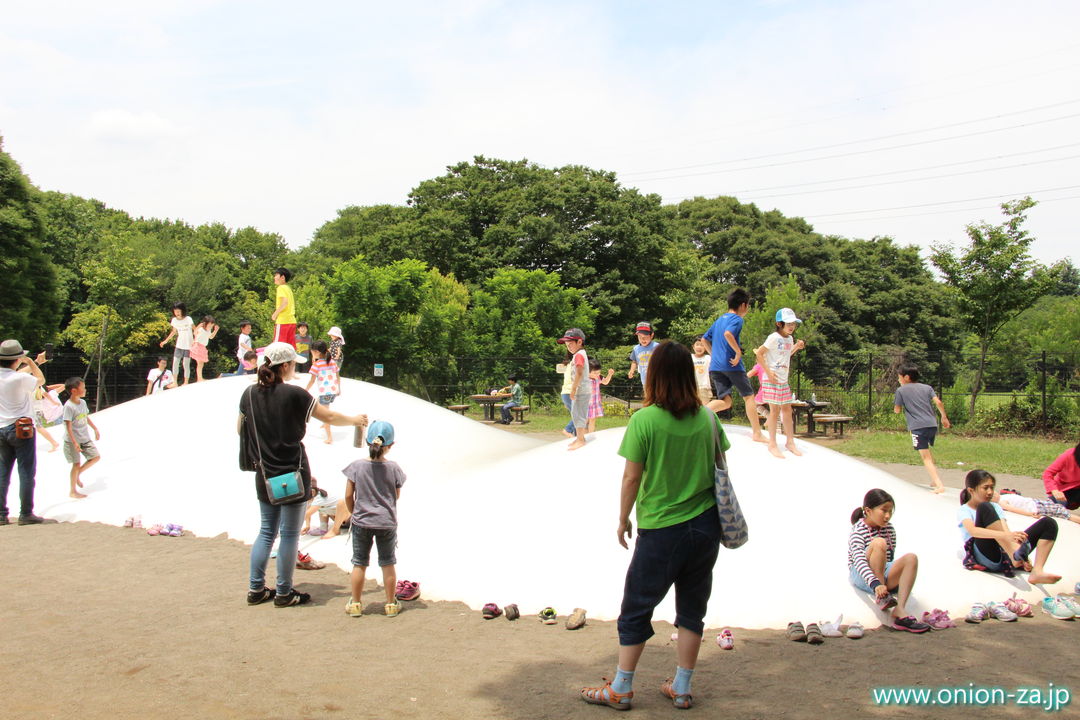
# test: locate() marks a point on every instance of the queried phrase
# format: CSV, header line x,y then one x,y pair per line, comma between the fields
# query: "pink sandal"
x,y
155,530
1020,606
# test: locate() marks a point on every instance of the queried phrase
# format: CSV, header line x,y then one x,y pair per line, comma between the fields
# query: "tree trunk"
x,y
977,385
100,376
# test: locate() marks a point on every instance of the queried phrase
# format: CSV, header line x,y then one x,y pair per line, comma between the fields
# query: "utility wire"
x,y
951,202
940,212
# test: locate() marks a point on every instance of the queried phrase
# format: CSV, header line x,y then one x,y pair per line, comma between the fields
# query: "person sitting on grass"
x,y
914,399
871,548
991,544
77,437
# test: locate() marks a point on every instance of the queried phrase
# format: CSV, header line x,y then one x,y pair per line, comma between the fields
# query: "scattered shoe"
x,y
257,597
175,530
604,695
726,640
316,532
938,619
392,609
548,616
293,598
682,702
1000,612
887,602
306,562
910,624
154,530
407,590
854,631
977,614
128,522
832,629
813,634
136,522
1069,603
354,608
1056,609
491,610
512,612
576,619
1020,606
796,632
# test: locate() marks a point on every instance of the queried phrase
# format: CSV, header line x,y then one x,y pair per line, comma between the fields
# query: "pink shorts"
x,y
779,394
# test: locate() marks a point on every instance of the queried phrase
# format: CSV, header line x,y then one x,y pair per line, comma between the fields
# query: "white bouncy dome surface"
x,y
491,516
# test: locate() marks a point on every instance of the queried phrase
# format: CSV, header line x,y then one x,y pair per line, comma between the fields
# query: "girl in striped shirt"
x,y
871,548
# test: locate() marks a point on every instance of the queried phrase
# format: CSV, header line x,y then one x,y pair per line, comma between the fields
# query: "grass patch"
x,y
1016,456
548,419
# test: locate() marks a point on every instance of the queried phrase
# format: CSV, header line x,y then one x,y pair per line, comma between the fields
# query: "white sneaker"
x,y
977,614
832,629
855,630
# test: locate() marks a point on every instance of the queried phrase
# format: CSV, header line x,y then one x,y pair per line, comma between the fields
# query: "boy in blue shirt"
x,y
726,371
639,356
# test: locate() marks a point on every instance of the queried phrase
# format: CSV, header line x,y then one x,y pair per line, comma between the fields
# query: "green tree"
x,y
29,311
995,278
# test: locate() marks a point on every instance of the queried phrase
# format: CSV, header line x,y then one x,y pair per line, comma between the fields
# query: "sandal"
x,y
491,610
257,597
813,634
512,612
604,695
548,616
796,632
832,629
682,702
726,640
155,530
576,619
1020,606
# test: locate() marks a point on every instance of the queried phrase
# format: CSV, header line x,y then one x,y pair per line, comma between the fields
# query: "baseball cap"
x,y
643,327
278,353
786,315
572,334
380,429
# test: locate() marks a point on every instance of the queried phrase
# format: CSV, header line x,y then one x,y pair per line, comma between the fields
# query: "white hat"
x,y
786,315
277,353
11,349
336,332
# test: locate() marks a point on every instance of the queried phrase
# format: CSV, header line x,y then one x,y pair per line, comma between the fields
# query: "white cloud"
x,y
118,124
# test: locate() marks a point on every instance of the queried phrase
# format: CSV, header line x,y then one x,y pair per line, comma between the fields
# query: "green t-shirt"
x,y
517,394
678,455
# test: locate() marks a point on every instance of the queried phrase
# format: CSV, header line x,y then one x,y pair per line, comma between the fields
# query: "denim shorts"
x,y
682,555
857,580
327,399
385,541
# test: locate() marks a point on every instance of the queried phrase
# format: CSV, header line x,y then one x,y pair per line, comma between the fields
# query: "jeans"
x,y
506,411
24,452
566,400
286,520
682,555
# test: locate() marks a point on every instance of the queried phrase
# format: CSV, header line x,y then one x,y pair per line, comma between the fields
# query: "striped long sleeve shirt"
x,y
861,535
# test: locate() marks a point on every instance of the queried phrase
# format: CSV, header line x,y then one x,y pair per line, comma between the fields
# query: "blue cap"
x,y
786,315
383,429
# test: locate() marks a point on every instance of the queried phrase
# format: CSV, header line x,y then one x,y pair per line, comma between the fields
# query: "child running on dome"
x,y
324,371
77,437
775,357
372,490
596,403
871,567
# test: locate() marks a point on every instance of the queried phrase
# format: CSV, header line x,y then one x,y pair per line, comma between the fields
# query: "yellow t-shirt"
x,y
288,315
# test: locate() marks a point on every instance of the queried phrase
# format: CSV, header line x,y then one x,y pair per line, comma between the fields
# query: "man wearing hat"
x,y
16,391
639,356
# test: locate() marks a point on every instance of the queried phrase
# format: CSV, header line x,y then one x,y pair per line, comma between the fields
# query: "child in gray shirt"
x,y
917,401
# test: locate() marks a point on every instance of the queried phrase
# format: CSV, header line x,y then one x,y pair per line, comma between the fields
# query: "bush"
x,y
1024,414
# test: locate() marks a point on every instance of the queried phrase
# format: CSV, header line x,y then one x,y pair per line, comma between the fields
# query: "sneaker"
x,y
910,624
128,522
888,602
548,616
392,609
353,608
1000,612
938,619
977,614
32,519
407,590
1069,603
136,522
491,610
257,597
1019,605
854,631
725,639
306,562
4,521
512,612
1056,609
576,619
293,598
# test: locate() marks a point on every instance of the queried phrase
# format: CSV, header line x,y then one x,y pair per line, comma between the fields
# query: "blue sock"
x,y
623,682
681,686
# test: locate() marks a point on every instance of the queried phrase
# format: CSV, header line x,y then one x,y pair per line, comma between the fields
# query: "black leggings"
x,y
1072,498
1045,528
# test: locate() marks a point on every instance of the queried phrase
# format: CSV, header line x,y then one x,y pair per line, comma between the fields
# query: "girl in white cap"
x,y
775,357
337,354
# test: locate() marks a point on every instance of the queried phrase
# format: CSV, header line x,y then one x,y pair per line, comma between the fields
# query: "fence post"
x,y
869,387
1044,387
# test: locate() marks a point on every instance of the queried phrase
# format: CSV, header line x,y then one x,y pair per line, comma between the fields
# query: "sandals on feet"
x,y
604,695
576,619
491,610
682,702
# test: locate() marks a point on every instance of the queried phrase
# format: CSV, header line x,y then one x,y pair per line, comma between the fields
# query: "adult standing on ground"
x,y
639,356
670,451
275,416
1062,478
16,393
284,315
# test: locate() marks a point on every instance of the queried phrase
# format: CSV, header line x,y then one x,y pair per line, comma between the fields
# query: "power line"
x,y
952,202
852,142
940,212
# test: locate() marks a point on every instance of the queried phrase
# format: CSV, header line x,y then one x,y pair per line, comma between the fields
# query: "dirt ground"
x,y
104,622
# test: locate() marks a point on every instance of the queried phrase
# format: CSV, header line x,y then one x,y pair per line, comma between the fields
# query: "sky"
x,y
907,119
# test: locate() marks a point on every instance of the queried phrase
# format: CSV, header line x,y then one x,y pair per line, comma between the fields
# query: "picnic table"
x,y
803,406
488,402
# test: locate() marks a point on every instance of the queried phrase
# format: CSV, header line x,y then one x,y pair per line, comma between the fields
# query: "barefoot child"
x,y
914,399
702,359
726,369
596,404
372,489
775,357
77,436
992,544
871,547
243,346
205,331
332,512
1034,507
182,326
580,389
324,372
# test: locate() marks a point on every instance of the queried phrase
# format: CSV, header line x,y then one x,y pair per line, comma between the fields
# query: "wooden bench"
x,y
519,413
837,421
459,409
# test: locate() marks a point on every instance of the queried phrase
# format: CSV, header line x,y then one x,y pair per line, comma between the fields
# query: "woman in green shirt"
x,y
670,456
